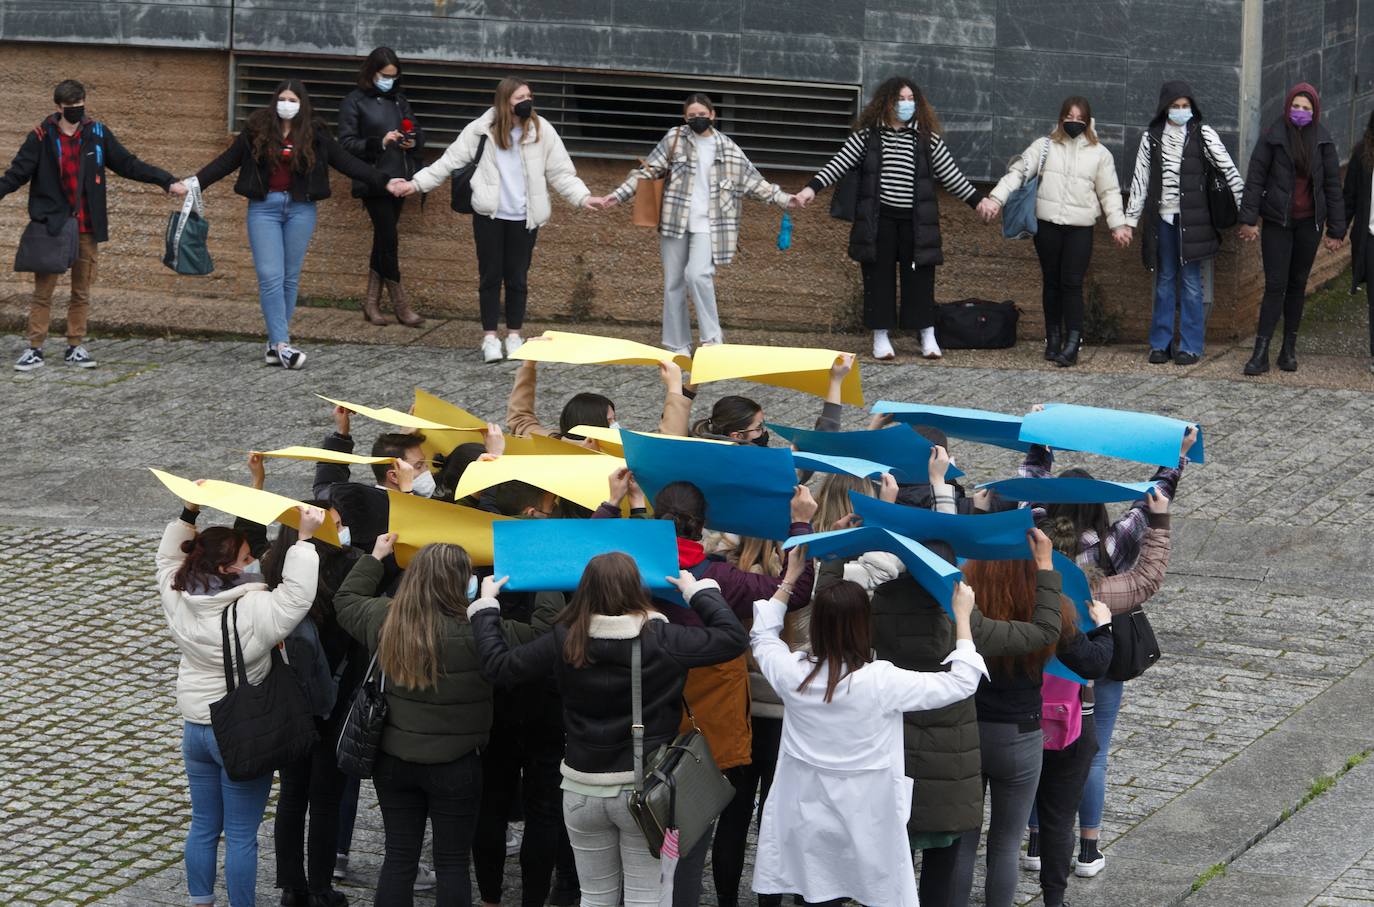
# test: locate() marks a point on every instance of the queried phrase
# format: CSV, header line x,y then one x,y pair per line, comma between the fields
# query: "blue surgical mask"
x,y
345,537
383,83
906,110
472,588
1179,116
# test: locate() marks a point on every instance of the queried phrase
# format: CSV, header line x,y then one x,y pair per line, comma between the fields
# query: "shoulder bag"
x,y
1018,217
976,324
42,252
361,737
186,242
679,786
648,206
460,197
1135,645
259,728
1221,202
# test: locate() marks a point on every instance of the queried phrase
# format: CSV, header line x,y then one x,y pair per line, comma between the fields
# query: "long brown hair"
x,y
1085,109
841,634
263,129
433,587
206,556
609,586
1006,591
883,104
504,120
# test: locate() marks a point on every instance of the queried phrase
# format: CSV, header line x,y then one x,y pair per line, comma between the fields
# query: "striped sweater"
x,y
898,178
1171,156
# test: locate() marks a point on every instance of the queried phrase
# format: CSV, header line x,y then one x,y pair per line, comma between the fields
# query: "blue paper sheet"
x,y
935,574
748,489
978,425
985,536
1077,591
1142,437
900,448
1069,490
550,555
853,466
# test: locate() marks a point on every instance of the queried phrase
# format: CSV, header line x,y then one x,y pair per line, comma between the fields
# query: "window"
x,y
780,125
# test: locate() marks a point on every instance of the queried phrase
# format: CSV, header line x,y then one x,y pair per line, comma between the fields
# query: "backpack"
x,y
305,656
1136,647
1061,716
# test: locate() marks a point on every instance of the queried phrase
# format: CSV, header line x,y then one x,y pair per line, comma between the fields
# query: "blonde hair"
x,y
433,587
505,120
832,499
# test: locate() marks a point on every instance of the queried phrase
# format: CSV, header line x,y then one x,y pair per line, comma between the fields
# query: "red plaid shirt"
x,y
70,146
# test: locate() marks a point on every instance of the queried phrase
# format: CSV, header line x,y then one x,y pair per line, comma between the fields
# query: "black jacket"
x,y
1013,697
925,212
596,698
1356,192
1271,176
365,117
305,187
1199,240
39,161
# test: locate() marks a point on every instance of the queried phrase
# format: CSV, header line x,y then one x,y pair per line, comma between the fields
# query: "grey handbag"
x,y
682,787
43,253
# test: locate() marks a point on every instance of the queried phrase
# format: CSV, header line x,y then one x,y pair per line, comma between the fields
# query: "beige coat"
x,y
1077,186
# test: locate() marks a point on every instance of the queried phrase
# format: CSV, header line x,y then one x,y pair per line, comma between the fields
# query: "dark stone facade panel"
x,y
831,18
587,12
1184,31
541,44
801,58
662,50
957,79
422,38
963,23
1033,83
1076,26
706,15
37,20
296,30
195,25
1216,89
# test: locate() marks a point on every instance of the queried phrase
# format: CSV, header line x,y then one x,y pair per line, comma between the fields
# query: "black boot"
x,y
1287,360
1068,356
1259,360
1051,342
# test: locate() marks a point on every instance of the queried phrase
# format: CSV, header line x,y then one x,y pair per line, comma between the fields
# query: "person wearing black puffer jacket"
x,y
377,125
1294,184
588,653
1358,193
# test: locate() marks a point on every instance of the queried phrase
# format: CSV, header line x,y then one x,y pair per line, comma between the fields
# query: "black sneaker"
x,y
271,357
1159,357
290,356
31,359
1187,359
77,356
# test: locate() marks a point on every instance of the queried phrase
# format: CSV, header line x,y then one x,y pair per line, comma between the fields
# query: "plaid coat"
x,y
732,176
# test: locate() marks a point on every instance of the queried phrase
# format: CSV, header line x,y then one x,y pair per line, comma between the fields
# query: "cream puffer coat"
x,y
264,619
546,163
1077,186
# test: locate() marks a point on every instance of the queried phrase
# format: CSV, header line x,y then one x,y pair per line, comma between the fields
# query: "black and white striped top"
x,y
898,177
1170,162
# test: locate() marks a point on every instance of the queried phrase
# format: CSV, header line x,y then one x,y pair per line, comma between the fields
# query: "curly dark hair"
x,y
881,108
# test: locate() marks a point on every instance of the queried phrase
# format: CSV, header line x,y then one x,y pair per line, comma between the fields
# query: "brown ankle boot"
x,y
404,313
372,305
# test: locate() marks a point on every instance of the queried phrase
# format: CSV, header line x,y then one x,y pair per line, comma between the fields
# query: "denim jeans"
x,y
446,795
220,805
279,232
1106,705
1178,284
611,852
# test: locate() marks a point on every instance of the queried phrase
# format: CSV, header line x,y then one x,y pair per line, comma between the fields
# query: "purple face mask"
x,y
1300,117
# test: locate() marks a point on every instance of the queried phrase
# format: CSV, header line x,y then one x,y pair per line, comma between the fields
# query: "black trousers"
x,y
504,250
939,869
385,214
1288,254
1062,776
1369,284
314,785
732,828
1064,254
519,761
896,252
446,796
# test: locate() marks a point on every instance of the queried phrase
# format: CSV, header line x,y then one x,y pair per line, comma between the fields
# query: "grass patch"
x,y
347,303
1324,783
1213,872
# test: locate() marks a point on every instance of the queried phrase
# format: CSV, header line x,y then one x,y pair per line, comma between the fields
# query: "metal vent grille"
x,y
781,125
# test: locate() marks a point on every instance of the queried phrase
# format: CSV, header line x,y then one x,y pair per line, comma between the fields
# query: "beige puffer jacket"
x,y
1077,186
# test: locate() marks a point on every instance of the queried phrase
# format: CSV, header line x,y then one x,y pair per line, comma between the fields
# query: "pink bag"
x,y
1061,716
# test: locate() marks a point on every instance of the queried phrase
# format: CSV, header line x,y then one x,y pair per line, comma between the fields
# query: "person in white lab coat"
x,y
835,822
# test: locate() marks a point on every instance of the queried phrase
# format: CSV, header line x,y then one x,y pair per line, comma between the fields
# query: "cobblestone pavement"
x,y
1266,605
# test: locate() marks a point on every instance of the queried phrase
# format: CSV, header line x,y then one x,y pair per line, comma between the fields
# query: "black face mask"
x,y
524,109
1074,130
699,124
761,440
74,115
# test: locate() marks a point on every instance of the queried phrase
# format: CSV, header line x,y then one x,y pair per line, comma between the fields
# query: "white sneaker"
x,y
513,342
491,348
424,878
290,357
882,346
1030,863
1088,870
929,348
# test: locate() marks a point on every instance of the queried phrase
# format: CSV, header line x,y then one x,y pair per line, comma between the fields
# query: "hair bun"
x,y
188,546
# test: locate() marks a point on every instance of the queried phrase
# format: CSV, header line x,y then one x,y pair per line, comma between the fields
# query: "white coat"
x,y
835,822
1077,186
546,163
264,619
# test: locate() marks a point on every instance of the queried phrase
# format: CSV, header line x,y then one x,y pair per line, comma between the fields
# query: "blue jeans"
x,y
279,232
219,804
1106,705
1181,284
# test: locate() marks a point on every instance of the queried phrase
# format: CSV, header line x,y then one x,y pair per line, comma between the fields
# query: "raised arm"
x,y
720,640
1017,637
911,691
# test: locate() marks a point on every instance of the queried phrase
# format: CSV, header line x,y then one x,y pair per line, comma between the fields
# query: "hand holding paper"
x,y
491,586
309,519
384,545
1041,549
964,601
589,349
806,370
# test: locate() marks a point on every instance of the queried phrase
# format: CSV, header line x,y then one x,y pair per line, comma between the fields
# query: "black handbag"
x,y
259,728
361,737
1221,201
976,324
460,198
1135,645
41,252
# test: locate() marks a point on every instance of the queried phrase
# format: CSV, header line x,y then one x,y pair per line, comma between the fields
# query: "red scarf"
x,y
689,553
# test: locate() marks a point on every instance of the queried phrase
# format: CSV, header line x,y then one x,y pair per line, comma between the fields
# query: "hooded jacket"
x,y
1274,190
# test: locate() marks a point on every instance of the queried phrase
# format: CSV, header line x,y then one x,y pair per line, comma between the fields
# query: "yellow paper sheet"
x,y
609,438
420,521
404,420
443,441
243,501
589,349
320,455
801,369
582,480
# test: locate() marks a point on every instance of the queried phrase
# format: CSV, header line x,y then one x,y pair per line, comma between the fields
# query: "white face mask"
x,y
615,425
287,110
423,485
345,537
